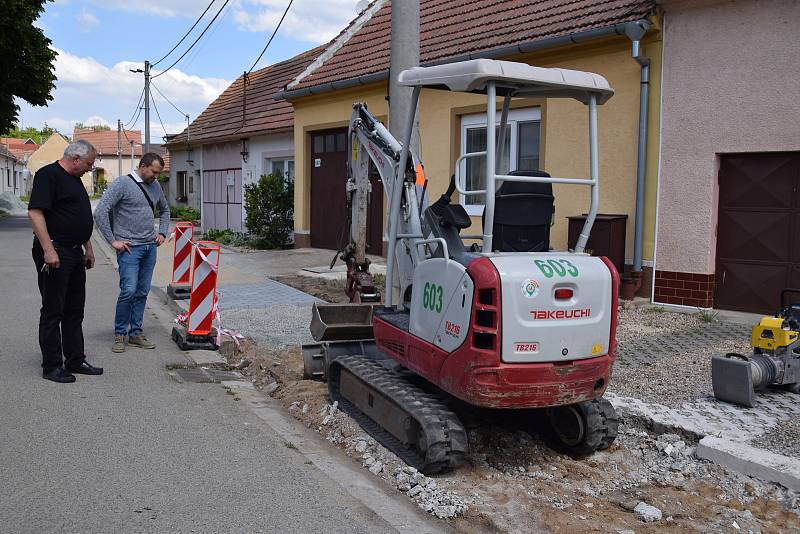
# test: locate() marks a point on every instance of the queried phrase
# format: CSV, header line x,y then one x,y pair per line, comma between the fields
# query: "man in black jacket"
x,y
61,217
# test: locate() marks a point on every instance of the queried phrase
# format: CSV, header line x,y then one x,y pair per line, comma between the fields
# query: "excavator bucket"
x,y
732,379
340,322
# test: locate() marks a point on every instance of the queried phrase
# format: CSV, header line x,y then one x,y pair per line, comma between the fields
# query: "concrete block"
x,y
206,357
751,461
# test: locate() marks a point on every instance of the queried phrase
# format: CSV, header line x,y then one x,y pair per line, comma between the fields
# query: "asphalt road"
x,y
132,450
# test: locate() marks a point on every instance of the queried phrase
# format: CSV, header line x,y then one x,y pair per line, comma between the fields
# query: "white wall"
x,y
190,161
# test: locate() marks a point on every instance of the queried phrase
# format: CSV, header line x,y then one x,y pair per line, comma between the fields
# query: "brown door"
x,y
328,180
328,200
375,214
758,232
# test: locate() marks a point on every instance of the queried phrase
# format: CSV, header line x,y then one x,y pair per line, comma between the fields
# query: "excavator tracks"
x,y
411,423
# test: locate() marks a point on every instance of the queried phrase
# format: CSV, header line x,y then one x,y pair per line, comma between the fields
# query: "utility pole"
x,y
404,55
146,107
131,154
119,147
146,72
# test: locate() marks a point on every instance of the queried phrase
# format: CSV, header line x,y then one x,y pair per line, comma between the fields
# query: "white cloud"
x,y
92,93
86,21
166,8
307,20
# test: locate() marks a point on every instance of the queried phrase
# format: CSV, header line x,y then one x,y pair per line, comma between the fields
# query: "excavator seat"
x,y
522,215
455,215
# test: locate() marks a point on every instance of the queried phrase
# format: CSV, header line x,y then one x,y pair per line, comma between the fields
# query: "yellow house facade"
x,y
50,151
444,119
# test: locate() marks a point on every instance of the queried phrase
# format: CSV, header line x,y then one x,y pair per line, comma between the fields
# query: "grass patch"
x,y
173,366
707,316
289,445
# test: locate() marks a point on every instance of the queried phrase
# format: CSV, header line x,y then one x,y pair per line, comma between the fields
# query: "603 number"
x,y
432,297
559,267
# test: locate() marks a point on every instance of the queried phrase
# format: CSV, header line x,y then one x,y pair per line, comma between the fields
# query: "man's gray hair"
x,y
79,148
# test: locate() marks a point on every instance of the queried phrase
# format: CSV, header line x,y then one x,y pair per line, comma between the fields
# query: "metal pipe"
x,y
594,174
501,146
641,159
397,193
488,210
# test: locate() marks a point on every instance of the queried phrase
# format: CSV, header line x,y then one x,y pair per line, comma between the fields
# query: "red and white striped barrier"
x,y
182,254
202,301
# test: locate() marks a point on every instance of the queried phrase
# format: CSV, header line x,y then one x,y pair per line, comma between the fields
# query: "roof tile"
x,y
453,28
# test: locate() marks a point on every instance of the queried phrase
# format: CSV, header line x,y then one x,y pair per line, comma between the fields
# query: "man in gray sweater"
x,y
125,218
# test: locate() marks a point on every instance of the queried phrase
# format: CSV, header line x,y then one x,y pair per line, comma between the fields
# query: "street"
x,y
132,450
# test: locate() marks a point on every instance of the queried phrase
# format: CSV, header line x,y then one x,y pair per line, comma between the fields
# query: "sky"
x,y
99,41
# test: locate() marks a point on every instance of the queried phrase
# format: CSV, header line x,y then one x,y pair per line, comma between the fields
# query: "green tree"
x,y
96,128
38,136
269,207
26,59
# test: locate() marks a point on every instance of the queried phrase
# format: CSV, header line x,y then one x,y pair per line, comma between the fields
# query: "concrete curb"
x,y
751,461
739,457
392,507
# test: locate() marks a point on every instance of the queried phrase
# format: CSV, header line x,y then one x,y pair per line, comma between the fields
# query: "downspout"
x,y
635,31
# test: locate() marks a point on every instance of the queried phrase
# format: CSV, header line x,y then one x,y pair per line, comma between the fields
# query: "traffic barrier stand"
x,y
198,332
180,286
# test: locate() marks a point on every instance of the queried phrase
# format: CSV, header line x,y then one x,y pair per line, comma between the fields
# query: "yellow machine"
x,y
775,360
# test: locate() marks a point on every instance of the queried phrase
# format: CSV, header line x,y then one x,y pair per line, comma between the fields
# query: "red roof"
x,y
105,141
230,117
19,148
455,28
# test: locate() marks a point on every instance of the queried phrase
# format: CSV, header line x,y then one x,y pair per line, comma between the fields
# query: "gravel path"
x,y
280,326
785,439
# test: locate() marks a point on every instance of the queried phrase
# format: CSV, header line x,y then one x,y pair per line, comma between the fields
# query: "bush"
x,y
226,237
269,207
184,213
101,185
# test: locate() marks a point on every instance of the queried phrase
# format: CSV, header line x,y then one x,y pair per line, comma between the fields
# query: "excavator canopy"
x,y
520,79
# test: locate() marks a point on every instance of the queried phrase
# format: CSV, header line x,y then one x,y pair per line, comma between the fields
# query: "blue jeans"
x,y
135,274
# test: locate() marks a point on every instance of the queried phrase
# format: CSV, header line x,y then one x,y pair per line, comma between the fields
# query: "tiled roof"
x,y
5,152
455,28
105,141
222,119
19,148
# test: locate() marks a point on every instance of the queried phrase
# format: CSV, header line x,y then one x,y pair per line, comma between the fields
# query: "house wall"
x,y
564,136
729,86
190,161
12,168
268,146
50,151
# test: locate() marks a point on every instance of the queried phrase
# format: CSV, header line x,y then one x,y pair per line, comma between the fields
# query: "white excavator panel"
x,y
555,306
441,303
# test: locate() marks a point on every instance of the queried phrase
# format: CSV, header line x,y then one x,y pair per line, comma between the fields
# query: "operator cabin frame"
x,y
507,79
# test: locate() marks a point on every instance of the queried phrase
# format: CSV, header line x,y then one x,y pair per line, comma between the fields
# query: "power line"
x,y
195,41
187,33
167,99
158,115
272,37
137,110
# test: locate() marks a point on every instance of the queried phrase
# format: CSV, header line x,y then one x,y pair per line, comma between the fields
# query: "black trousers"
x,y
63,293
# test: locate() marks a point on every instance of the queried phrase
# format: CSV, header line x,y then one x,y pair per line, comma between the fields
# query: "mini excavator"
x,y
495,320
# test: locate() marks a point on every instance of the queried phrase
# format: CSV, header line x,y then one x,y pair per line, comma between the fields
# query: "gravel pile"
x,y
279,326
681,376
783,439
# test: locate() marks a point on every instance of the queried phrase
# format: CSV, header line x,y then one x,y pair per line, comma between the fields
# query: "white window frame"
x,y
269,164
515,116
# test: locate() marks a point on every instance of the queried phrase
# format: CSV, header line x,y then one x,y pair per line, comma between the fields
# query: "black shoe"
x,y
86,368
58,375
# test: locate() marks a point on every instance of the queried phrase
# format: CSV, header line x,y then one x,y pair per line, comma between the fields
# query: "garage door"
x,y
222,199
758,232
328,198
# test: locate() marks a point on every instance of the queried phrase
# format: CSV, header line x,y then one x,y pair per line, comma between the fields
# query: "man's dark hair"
x,y
149,158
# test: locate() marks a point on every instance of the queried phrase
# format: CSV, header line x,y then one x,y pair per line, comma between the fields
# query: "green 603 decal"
x,y
432,297
556,267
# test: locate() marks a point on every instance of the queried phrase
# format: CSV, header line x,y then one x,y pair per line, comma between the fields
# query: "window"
x,y
190,178
284,166
8,178
521,149
182,187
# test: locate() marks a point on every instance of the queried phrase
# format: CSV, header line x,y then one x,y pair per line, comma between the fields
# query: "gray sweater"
x,y
132,216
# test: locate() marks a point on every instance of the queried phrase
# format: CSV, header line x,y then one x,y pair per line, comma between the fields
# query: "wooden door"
x,y
758,232
328,180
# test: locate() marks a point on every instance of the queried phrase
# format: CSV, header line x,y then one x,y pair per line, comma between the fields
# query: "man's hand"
x,y
88,258
121,246
51,258
160,240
